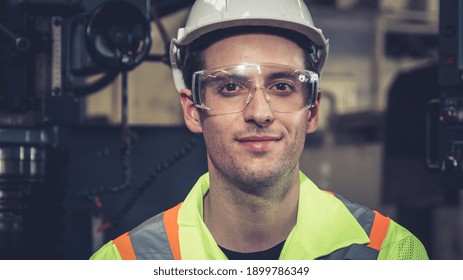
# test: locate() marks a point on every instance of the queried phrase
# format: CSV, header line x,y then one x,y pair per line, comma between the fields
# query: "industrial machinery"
x,y
449,141
48,51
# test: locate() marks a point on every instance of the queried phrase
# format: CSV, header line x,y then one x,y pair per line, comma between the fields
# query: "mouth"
x,y
258,138
258,143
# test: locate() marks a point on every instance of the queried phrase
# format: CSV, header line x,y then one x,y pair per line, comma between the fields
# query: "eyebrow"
x,y
227,77
278,75
223,76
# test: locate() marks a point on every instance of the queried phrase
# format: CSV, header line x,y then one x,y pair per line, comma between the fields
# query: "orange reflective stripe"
x,y
170,222
378,231
330,192
124,246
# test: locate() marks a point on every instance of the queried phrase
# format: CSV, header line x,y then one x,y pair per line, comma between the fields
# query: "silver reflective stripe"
x,y
149,240
365,217
353,252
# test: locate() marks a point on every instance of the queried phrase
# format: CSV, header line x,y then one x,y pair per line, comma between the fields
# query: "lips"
x,y
258,138
258,143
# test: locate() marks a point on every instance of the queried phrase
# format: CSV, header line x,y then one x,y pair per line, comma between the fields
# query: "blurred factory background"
x,y
92,145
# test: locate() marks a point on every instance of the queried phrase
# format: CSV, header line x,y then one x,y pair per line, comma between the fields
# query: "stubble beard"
x,y
268,182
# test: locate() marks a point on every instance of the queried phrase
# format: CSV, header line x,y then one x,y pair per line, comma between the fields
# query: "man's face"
x,y
257,147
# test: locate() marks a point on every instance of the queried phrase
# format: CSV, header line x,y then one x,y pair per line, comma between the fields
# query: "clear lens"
x,y
231,89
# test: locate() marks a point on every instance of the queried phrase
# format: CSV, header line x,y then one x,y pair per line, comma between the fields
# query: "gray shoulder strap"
x,y
149,240
365,217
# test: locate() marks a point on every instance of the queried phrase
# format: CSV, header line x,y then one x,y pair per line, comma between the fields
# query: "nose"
x,y
258,109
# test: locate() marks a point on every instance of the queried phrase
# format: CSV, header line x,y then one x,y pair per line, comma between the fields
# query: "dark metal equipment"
x,y
48,49
448,158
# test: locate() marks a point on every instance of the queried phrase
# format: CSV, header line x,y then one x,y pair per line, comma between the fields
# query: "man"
x,y
247,73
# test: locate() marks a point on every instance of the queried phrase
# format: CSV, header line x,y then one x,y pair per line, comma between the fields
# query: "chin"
x,y
258,178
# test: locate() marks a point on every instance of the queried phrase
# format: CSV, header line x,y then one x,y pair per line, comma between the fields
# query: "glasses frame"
x,y
196,88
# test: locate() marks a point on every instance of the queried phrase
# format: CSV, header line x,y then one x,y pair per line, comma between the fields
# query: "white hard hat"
x,y
211,15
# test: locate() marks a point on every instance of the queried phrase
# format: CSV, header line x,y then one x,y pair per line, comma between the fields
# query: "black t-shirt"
x,y
269,254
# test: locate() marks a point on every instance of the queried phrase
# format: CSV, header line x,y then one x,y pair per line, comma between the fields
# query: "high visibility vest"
x,y
160,235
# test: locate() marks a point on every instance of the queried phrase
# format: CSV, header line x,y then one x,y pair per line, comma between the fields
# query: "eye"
x,y
230,87
282,87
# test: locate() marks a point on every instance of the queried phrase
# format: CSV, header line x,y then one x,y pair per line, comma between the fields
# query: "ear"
x,y
190,112
312,122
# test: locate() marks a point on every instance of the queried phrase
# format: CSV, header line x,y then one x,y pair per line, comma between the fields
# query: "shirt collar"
x,y
323,225
196,241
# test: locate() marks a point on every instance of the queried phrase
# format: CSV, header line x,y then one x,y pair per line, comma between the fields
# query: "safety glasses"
x,y
230,89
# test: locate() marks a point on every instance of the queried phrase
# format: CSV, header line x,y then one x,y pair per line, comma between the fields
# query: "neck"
x,y
246,222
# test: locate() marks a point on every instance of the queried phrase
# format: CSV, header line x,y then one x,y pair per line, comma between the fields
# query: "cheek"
x,y
299,138
299,133
215,133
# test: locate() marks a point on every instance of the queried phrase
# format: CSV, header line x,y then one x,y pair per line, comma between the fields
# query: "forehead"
x,y
254,48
